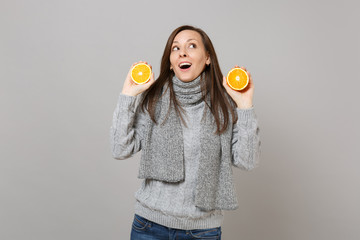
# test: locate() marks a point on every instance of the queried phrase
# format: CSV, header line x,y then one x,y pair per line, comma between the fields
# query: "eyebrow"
x,y
186,41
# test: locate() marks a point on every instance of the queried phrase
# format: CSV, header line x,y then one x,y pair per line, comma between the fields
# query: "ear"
x,y
208,59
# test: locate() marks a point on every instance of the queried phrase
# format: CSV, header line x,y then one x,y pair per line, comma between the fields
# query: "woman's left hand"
x,y
243,98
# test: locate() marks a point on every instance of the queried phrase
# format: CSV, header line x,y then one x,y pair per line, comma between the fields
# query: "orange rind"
x,y
141,73
237,79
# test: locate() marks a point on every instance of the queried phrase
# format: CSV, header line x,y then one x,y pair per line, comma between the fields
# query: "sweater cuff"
x,y
245,114
126,102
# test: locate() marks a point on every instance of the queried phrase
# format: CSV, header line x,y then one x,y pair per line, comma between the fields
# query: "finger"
x,y
151,81
129,73
225,83
243,68
251,82
152,78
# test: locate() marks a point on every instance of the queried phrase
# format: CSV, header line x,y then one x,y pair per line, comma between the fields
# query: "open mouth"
x,y
184,65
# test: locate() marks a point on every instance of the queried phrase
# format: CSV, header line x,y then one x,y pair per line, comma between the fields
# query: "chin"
x,y
186,78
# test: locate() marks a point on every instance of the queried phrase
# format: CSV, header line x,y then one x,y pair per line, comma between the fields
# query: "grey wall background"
x,y
62,67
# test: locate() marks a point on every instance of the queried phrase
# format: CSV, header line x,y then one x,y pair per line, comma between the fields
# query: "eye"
x,y
192,45
175,48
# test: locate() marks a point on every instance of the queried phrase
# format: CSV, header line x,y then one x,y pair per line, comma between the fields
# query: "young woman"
x,y
192,128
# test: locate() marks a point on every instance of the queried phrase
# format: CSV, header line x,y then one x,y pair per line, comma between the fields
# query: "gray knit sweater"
x,y
172,204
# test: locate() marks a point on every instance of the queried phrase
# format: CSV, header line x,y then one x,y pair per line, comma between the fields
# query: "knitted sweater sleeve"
x,y
246,140
127,127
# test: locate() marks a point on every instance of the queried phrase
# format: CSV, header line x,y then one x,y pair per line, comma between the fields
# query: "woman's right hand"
x,y
131,88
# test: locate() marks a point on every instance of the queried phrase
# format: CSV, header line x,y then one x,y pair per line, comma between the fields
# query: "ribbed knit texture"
x,y
163,150
173,204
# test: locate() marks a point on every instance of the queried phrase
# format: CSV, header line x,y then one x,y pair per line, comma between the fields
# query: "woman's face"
x,y
188,56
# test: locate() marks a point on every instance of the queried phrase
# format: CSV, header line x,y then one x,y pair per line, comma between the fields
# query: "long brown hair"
x,y
220,101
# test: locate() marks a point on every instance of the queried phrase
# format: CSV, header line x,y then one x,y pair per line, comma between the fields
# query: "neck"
x,y
187,93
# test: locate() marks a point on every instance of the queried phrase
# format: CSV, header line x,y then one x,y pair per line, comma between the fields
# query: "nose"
x,y
182,53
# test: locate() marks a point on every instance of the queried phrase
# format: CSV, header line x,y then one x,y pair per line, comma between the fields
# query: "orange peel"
x,y
237,79
141,73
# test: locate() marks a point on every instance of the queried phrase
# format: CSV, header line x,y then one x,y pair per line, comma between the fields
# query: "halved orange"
x,y
141,73
237,79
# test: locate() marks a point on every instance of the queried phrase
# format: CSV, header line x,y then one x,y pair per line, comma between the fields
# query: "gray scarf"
x,y
163,158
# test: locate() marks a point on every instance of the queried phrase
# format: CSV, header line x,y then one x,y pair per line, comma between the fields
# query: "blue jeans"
x,y
148,230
